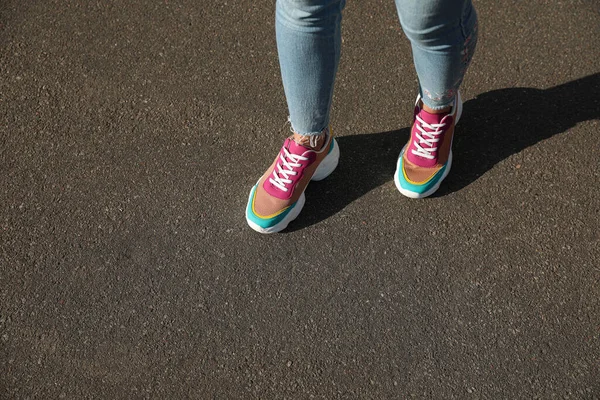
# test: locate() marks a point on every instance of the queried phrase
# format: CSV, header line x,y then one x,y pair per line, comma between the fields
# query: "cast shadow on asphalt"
x,y
494,126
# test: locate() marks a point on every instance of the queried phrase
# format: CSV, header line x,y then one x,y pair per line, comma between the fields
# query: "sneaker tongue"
x,y
431,118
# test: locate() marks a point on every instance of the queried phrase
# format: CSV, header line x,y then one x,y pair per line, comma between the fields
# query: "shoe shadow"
x,y
494,126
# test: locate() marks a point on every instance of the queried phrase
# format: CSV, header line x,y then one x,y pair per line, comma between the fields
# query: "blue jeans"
x,y
443,35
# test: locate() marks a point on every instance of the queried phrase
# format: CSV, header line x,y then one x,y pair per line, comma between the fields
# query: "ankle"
x,y
313,142
429,110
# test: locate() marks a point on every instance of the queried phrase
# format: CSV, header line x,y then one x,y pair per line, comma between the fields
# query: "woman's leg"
x,y
443,34
308,42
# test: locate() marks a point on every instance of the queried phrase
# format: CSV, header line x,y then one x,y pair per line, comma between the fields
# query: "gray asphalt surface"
x,y
132,132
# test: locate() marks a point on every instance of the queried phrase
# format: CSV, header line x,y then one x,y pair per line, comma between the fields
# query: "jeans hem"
x,y
312,133
437,108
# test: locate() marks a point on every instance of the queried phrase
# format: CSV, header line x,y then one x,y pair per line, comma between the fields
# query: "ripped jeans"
x,y
443,35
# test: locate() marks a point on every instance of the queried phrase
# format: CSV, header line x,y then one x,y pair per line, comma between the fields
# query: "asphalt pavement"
x,y
132,132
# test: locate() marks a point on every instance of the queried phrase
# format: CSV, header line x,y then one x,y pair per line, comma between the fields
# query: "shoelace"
x,y
429,137
286,169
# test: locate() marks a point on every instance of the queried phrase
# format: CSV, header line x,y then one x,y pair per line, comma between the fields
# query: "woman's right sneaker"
x,y
426,159
278,196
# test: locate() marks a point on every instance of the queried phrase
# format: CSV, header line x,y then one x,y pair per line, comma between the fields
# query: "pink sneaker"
x,y
426,159
278,196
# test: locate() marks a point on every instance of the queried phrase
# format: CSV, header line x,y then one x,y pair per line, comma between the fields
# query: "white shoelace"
x,y
429,137
284,169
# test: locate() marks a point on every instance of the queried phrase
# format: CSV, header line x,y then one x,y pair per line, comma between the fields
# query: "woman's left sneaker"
x,y
278,196
426,159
